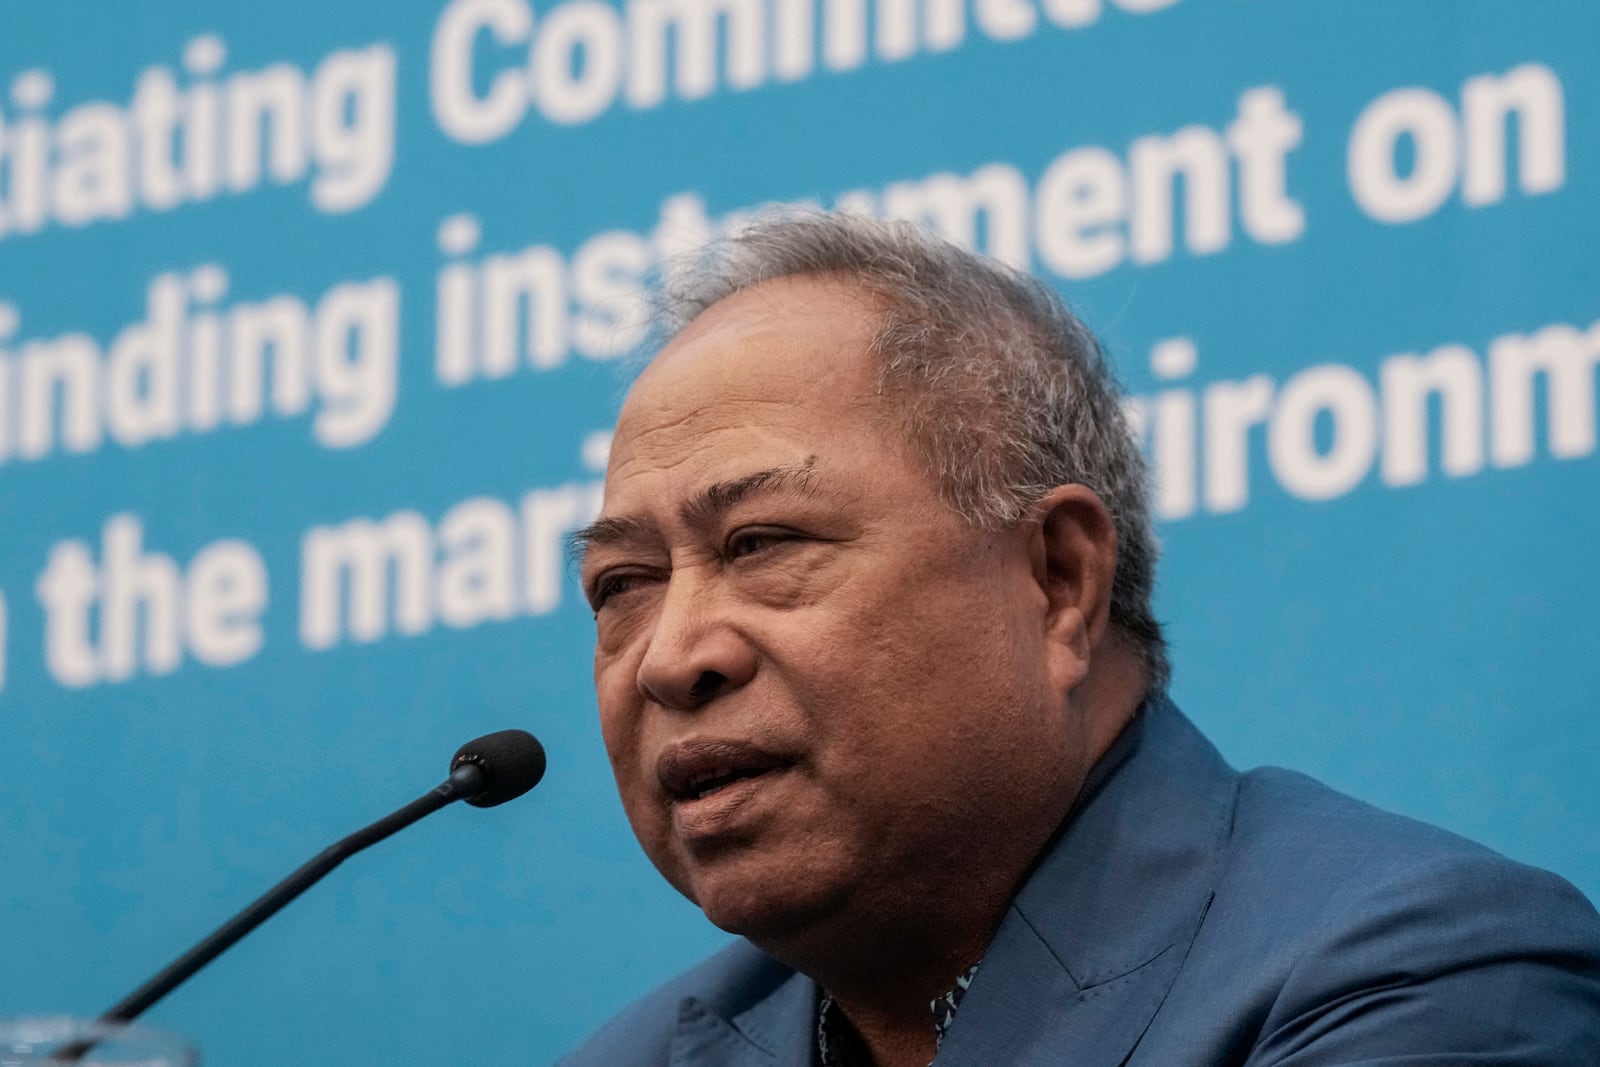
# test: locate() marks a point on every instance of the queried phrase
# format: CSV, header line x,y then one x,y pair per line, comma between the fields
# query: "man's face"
x,y
818,687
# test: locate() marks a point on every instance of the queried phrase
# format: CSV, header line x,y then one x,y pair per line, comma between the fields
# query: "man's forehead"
x,y
769,362
806,298
767,355
763,319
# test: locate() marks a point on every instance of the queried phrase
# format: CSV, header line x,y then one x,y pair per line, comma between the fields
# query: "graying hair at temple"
x,y
1001,389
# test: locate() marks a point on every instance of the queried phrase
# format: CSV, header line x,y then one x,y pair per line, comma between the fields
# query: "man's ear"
x,y
1074,556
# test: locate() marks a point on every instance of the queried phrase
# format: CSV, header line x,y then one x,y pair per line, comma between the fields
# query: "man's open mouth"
x,y
705,785
694,770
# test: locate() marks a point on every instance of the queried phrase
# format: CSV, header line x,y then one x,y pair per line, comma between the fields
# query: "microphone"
x,y
491,770
497,767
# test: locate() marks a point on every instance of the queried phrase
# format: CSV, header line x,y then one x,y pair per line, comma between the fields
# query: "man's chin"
x,y
769,910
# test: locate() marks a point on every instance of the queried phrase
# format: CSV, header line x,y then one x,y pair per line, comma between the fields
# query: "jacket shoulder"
x,y
1313,856
1286,819
1388,937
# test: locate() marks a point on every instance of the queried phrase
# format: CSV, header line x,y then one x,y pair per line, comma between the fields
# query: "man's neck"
x,y
871,1039
894,1039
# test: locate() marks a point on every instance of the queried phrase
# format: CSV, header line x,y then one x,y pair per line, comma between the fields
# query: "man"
x,y
883,694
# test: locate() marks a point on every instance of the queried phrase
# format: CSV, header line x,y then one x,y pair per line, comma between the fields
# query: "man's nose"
x,y
696,652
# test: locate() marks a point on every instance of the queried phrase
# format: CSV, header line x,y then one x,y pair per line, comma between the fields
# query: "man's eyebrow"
x,y
604,532
704,508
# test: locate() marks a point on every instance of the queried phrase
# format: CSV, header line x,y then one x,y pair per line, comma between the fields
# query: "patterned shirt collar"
x,y
838,1044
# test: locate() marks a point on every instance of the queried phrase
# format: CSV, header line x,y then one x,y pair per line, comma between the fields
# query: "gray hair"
x,y
1003,392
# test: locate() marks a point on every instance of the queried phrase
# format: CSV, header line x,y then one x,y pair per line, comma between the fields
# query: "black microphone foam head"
x,y
511,760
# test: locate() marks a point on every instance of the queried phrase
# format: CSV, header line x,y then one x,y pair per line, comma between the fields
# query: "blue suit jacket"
x,y
1191,915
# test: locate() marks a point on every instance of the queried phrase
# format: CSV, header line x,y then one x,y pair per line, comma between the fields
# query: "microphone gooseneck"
x,y
491,770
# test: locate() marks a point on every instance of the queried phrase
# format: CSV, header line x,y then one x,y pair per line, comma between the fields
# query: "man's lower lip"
x,y
719,812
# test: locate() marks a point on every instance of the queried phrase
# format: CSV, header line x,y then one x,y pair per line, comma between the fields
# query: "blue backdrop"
x,y
310,319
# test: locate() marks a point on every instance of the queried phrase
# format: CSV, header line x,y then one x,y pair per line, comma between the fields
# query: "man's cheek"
x,y
618,731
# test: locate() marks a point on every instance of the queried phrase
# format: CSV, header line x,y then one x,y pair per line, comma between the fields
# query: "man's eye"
x,y
749,542
611,585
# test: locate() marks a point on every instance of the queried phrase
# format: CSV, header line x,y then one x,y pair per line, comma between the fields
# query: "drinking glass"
x,y
90,1043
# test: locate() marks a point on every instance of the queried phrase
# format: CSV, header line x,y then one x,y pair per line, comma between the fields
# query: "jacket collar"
x,y
1090,945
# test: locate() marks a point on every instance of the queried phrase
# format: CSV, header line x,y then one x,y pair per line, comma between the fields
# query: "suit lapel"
x,y
1096,937
1055,1022
777,1031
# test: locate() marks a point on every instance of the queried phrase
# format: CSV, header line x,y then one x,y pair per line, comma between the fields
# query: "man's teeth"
x,y
702,784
